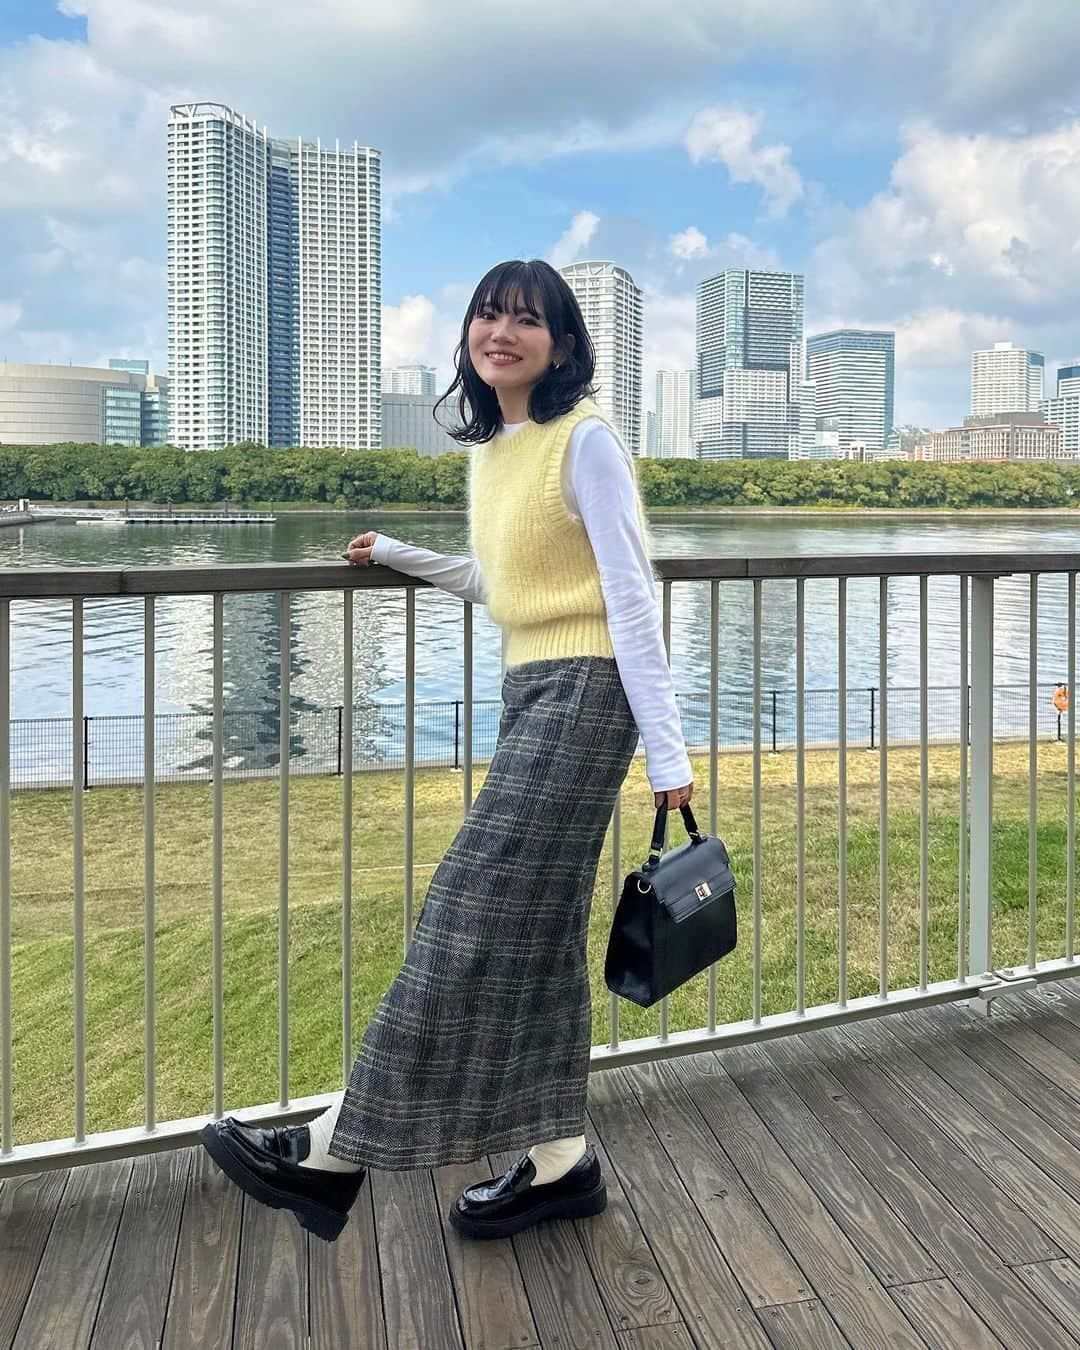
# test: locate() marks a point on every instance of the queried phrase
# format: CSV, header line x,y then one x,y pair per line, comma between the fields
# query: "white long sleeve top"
x,y
598,490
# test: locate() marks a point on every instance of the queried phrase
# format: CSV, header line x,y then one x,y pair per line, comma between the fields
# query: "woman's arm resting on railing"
x,y
461,576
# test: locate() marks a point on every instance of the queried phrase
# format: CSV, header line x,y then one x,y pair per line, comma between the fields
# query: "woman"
x,y
482,1042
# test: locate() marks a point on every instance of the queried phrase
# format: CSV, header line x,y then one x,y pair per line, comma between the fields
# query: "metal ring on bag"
x,y
648,886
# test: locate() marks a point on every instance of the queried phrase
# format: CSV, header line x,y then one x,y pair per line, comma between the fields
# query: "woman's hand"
x,y
358,552
676,797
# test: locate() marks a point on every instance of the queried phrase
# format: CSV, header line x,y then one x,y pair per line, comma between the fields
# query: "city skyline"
x,y
945,212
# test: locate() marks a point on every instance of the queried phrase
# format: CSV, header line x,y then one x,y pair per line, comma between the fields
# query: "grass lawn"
x,y
42,916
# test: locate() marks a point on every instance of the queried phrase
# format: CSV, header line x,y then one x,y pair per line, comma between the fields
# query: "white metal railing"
x,y
975,976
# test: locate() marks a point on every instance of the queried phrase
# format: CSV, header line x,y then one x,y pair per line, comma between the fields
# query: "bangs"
x,y
515,292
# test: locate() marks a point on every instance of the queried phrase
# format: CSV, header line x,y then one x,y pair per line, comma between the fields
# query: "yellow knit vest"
x,y
540,573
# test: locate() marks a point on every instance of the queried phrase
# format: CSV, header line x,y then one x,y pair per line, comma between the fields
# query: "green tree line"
x,y
367,478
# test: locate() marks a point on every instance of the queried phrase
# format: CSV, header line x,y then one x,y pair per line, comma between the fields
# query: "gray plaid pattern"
x,y
482,1041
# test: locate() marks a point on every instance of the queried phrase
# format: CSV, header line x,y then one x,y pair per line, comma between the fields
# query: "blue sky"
x,y
919,163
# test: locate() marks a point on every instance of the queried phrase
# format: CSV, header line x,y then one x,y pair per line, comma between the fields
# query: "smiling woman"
x,y
524,353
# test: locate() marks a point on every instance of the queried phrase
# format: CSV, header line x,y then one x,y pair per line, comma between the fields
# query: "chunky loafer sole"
x,y
558,1207
319,1219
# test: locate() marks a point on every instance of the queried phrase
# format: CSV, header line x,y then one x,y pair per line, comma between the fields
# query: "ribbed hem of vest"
x,y
578,635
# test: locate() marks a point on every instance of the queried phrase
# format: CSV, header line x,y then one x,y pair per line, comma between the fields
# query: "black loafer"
x,y
265,1162
509,1203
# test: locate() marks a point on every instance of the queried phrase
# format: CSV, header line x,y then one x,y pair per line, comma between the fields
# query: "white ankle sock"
x,y
322,1131
555,1157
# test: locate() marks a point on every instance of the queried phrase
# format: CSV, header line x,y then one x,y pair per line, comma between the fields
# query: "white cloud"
x,y
735,250
689,244
10,313
728,135
573,242
968,220
407,330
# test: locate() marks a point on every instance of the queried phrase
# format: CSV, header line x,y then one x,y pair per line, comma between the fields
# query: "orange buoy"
x,y
1061,698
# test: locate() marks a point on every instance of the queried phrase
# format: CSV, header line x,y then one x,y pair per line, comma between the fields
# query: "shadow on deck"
x,y
909,1181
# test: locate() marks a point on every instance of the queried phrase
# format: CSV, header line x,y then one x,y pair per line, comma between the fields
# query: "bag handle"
x,y
660,830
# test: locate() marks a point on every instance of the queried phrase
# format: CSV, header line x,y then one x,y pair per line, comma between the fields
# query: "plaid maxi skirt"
x,y
482,1041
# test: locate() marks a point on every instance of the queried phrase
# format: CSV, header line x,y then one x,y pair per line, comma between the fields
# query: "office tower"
x,y
44,405
650,434
611,306
414,379
274,282
676,394
853,370
1063,410
1005,378
749,354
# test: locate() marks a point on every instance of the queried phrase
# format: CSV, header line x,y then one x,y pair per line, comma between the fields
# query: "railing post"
x,y
773,721
340,713
86,751
871,745
980,929
457,729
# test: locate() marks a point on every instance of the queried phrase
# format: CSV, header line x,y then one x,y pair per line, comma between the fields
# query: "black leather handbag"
x,y
676,915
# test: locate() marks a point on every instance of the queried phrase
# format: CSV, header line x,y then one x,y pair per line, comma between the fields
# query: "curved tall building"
x,y
611,306
274,285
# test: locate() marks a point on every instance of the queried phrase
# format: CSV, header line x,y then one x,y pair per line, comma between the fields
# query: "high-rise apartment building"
x,y
412,379
853,370
749,355
274,283
611,306
1005,378
676,394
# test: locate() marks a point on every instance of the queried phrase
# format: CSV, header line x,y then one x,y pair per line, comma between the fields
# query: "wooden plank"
x,y
672,1336
801,1326
875,1145
1041,1012
29,1205
876,1229
1006,1164
945,1320
708,1295
1042,1143
750,1244
272,1279
132,1311
1057,1285
565,1302
417,1291
849,1288
980,1041
919,1152
346,1299
1066,997
63,1301
203,1295
1047,1043
492,1303
631,1284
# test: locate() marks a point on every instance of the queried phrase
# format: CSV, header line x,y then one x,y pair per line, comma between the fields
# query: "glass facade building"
x,y
854,372
749,356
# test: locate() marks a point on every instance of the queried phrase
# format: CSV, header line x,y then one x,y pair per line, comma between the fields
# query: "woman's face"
x,y
511,350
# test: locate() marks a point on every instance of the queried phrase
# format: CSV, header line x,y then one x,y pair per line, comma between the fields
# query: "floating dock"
x,y
154,516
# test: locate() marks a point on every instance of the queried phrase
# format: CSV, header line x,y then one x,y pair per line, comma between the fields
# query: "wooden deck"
x,y
905,1182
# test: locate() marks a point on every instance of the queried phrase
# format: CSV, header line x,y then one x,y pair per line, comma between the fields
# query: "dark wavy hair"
x,y
539,286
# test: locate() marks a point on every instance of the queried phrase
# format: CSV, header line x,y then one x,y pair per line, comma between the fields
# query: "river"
x,y
41,655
